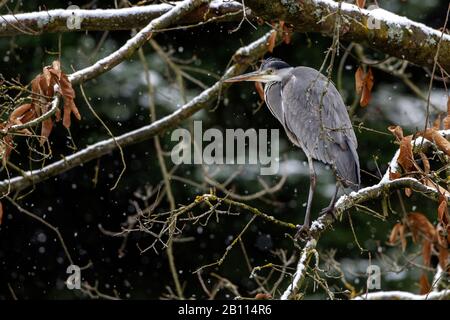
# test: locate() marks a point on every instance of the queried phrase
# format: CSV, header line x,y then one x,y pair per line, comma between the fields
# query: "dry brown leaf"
x,y
281,24
361,3
359,80
443,214
42,87
437,123
408,192
443,257
446,120
394,175
431,184
406,157
403,238
66,87
69,104
426,252
397,131
69,107
46,129
424,284
287,32
420,226
441,232
260,90
22,114
263,296
367,89
434,136
425,162
364,85
393,237
398,232
272,41
40,90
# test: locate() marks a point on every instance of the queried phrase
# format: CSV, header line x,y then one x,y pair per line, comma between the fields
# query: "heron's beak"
x,y
260,76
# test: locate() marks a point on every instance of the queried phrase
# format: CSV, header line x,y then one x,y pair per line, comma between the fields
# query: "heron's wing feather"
x,y
318,121
272,97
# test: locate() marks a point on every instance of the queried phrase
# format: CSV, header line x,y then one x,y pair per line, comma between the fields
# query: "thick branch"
x,y
36,23
396,35
244,57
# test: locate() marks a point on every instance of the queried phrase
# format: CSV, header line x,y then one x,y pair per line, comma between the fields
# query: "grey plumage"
x,y
320,125
315,118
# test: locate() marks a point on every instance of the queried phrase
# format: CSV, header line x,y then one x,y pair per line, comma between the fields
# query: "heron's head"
x,y
271,70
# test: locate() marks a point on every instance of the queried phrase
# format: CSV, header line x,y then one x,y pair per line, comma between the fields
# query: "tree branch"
x,y
38,120
128,49
401,295
397,36
37,23
243,57
346,202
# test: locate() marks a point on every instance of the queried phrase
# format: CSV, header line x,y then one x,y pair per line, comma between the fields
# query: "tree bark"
x,y
396,35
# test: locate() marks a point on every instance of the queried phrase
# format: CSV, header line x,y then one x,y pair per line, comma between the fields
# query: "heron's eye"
x,y
270,71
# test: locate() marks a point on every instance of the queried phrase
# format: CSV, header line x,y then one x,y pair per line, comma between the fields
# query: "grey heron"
x,y
314,116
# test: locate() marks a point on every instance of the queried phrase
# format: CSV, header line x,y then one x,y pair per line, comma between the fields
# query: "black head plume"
x,y
274,63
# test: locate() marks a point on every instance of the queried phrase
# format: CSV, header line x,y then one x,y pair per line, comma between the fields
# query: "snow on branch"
x,y
401,295
135,42
243,57
380,29
347,202
59,20
38,120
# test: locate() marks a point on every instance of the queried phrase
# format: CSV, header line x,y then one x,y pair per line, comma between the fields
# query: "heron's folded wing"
x,y
316,116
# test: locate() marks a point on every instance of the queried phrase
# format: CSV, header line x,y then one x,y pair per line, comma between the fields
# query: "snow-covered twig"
x,y
438,278
300,273
38,120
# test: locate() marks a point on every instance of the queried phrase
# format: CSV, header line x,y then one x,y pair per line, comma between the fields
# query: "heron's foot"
x,y
303,233
329,210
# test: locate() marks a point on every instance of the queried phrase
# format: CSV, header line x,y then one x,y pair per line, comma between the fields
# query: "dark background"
x,y
32,261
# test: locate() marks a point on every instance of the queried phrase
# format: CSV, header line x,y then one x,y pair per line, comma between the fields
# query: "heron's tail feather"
x,y
347,167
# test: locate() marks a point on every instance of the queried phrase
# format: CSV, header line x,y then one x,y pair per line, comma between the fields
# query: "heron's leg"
x,y
330,208
303,231
312,188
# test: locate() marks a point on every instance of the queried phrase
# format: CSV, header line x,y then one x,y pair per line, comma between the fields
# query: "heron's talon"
x,y
329,210
303,233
